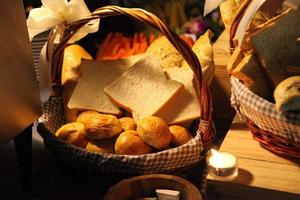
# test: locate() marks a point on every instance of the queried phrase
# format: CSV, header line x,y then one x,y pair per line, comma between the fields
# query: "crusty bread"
x,y
166,54
235,59
143,88
70,74
251,73
228,10
89,92
204,52
276,44
186,106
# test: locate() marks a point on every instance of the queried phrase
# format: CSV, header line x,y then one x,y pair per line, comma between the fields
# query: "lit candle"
x,y
222,165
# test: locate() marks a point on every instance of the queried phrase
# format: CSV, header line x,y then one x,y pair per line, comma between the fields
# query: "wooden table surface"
x,y
262,174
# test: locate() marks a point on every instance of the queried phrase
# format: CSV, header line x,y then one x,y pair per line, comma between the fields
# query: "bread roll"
x,y
127,123
287,94
154,131
73,133
130,143
180,135
70,74
100,126
102,146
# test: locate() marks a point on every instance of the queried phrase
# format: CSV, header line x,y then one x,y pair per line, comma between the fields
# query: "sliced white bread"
x,y
89,91
186,106
143,89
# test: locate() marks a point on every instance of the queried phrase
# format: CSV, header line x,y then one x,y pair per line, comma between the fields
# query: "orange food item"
x,y
188,40
117,46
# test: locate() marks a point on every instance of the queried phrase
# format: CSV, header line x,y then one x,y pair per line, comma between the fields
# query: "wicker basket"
x,y
275,131
183,160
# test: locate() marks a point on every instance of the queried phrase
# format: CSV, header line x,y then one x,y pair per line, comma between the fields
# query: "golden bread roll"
x,y
70,74
127,123
73,133
287,94
154,131
102,146
180,135
130,143
99,126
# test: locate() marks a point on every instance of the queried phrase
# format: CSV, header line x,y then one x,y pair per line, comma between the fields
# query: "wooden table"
x,y
262,174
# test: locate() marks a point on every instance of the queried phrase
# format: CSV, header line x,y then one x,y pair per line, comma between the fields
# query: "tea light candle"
x,y
222,165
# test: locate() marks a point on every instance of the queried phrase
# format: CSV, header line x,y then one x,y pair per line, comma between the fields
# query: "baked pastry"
x,y
127,123
70,75
73,133
102,146
180,135
154,131
130,143
287,94
99,126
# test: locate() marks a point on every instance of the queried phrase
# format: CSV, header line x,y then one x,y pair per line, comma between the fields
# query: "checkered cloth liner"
x,y
160,162
264,113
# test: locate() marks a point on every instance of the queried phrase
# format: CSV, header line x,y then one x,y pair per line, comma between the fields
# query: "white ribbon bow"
x,y
56,12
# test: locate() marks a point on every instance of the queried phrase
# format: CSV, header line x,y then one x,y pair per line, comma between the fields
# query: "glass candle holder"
x,y
222,166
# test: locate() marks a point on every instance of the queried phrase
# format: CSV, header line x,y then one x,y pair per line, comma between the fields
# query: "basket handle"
x,y
151,19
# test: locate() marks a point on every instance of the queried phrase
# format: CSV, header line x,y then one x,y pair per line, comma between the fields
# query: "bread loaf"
x,y
166,54
250,71
70,75
89,92
186,107
204,52
143,89
276,44
228,10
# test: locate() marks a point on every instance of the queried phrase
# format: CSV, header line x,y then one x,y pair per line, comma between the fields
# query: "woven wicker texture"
x,y
271,128
160,162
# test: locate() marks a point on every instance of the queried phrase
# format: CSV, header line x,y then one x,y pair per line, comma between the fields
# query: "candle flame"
x,y
214,152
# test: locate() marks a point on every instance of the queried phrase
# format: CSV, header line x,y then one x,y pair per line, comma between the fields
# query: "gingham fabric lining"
x,y
264,113
160,162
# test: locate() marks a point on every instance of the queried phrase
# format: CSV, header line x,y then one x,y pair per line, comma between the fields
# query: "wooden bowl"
x,y
145,186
